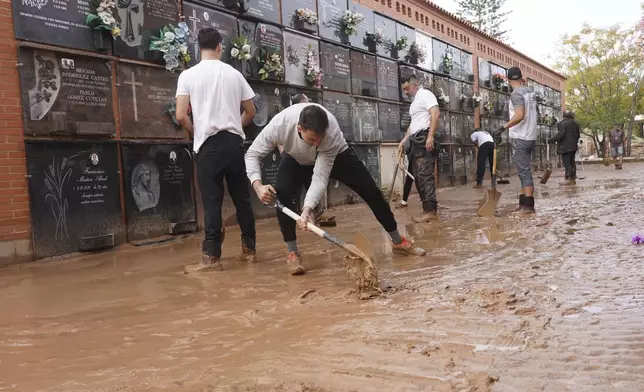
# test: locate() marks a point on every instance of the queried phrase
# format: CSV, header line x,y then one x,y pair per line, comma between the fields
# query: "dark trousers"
x,y
568,160
423,163
486,152
222,156
408,181
349,170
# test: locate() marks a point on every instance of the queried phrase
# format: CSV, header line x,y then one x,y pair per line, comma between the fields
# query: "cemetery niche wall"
x,y
158,189
65,94
74,194
197,17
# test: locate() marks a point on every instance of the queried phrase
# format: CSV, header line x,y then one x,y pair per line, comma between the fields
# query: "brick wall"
x,y
15,227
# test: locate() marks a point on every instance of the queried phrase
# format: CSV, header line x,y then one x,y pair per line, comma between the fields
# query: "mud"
x,y
505,303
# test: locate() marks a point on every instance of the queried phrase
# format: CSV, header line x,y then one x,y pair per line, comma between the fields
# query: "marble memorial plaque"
x,y
198,17
269,168
457,129
269,100
291,20
336,66
370,157
460,174
455,103
409,34
296,49
485,73
405,118
467,90
53,22
359,40
445,129
158,188
145,93
425,79
247,29
365,120
389,122
466,66
439,50
268,40
388,84
330,19
457,66
340,105
74,194
386,27
363,74
140,20
66,94
267,10
424,42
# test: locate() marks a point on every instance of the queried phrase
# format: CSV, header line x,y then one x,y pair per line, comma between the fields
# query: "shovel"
x,y
393,180
548,172
364,272
491,198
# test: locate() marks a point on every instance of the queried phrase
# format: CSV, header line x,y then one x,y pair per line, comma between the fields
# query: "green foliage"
x,y
486,15
605,71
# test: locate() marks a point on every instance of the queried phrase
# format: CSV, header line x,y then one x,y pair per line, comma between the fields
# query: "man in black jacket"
x,y
568,142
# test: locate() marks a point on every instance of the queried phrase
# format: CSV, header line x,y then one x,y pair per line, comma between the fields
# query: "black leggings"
x,y
486,152
348,169
408,182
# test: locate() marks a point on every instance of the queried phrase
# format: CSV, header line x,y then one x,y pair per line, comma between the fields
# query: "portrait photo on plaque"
x,y
65,94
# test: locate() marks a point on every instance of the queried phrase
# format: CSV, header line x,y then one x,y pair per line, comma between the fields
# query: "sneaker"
x,y
294,263
208,263
247,255
406,248
478,186
403,204
426,217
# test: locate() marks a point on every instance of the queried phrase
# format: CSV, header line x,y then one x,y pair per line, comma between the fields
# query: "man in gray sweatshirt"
x,y
315,149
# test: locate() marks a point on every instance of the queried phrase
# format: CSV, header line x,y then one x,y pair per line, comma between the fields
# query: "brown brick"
x,y
15,236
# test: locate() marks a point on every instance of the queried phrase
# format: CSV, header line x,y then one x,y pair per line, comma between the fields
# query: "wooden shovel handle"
x,y
494,162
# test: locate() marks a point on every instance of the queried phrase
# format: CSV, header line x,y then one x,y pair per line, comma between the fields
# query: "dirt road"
x,y
553,302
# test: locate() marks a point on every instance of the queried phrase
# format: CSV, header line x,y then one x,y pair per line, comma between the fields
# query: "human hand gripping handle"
x,y
265,193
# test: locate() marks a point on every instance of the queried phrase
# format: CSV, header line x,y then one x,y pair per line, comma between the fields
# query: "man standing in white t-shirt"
x,y
484,143
424,114
215,90
523,135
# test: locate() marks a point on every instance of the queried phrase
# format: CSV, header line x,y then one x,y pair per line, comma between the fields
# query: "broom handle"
x,y
494,169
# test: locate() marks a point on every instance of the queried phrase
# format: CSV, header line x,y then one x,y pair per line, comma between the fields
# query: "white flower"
x,y
247,56
168,37
183,48
246,48
234,52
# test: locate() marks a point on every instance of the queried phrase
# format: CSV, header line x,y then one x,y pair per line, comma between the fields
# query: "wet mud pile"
x,y
550,302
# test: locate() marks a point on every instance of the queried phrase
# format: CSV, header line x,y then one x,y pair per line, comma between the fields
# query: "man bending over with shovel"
x,y
314,148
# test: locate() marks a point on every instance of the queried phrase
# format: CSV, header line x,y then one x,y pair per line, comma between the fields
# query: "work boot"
x,y
406,248
247,255
294,262
402,204
568,182
526,205
208,263
478,186
426,217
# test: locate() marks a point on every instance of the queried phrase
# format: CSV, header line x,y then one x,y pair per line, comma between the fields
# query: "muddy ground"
x,y
553,302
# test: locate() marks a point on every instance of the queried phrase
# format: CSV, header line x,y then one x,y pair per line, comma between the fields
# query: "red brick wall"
x,y
14,198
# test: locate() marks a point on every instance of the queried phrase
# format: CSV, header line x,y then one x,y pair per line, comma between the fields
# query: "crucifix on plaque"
x,y
134,83
327,57
193,33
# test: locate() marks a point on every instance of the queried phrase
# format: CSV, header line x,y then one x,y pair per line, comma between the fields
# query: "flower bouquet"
x,y
476,99
402,44
102,22
448,65
173,43
350,22
313,73
415,55
306,20
497,79
488,107
271,65
443,99
240,50
373,40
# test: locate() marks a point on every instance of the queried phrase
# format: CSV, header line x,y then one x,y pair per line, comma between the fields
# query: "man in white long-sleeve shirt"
x,y
315,148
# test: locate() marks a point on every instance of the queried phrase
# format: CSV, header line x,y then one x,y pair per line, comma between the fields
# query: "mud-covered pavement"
x,y
552,302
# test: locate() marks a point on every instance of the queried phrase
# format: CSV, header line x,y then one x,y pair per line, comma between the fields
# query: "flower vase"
x,y
506,89
413,58
470,78
372,46
102,40
305,27
235,5
487,83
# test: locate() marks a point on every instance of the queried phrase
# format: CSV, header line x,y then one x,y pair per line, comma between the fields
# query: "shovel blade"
x,y
490,201
363,245
546,176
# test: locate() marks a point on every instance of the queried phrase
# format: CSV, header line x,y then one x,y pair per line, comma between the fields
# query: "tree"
x,y
486,15
605,75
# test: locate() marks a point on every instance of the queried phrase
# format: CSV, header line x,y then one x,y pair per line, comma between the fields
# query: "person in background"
x,y
617,143
425,115
299,98
523,135
315,150
484,144
567,144
215,91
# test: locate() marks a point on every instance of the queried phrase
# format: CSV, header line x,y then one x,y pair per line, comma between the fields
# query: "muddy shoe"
x,y
208,263
406,247
247,255
294,262
568,183
426,217
478,186
402,204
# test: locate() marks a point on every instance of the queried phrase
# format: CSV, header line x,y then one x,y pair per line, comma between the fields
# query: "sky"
x,y
536,26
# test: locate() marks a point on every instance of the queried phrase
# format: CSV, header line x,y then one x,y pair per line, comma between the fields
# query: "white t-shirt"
x,y
480,137
527,128
216,91
419,110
